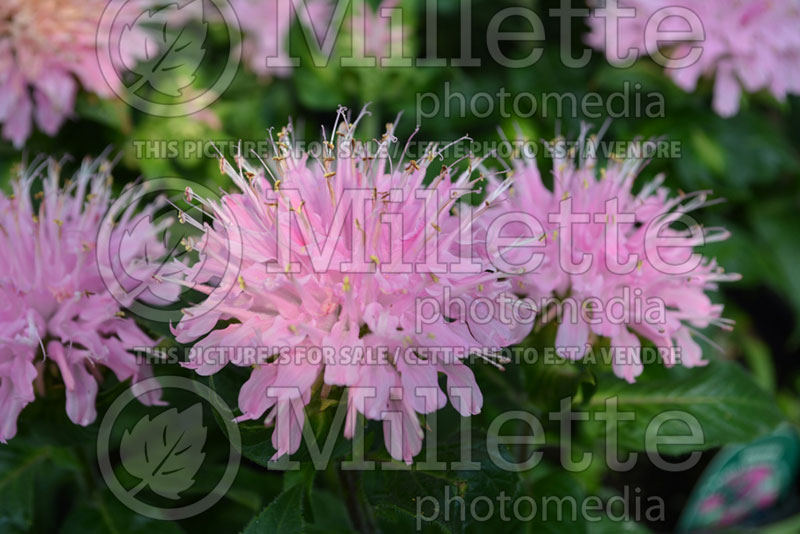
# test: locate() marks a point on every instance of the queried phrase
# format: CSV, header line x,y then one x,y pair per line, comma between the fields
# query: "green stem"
x,y
356,501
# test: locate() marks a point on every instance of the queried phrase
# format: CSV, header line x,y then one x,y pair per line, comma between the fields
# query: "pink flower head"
x,y
337,254
746,44
47,47
55,310
609,261
265,26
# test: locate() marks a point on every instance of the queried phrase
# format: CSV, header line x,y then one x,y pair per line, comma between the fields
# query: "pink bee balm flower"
x,y
47,47
746,44
337,257
613,259
54,308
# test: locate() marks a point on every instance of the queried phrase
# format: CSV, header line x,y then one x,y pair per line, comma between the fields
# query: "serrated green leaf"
x,y
283,516
401,494
559,497
726,402
330,514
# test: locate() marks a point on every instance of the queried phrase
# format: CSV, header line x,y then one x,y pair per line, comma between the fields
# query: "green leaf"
x,y
18,470
330,514
726,402
606,525
111,112
565,506
283,516
547,381
31,479
559,497
761,154
104,514
398,495
709,152
256,438
787,526
759,360
776,222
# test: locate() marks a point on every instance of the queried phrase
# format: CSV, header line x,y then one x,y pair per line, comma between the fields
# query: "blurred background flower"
x,y
747,44
265,26
47,51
